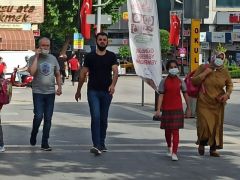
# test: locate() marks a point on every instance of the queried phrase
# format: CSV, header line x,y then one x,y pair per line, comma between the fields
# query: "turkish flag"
x,y
85,9
174,30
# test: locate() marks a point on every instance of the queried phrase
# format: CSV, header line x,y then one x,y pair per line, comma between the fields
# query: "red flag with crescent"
x,y
174,30
85,10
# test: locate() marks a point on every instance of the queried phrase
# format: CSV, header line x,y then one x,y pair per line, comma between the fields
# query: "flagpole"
x,y
99,13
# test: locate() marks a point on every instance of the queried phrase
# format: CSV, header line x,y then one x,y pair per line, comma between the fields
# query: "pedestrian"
x,y
61,62
171,108
22,73
211,102
44,67
74,67
100,65
3,68
2,148
2,71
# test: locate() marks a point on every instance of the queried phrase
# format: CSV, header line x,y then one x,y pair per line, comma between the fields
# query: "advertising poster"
x,y
145,41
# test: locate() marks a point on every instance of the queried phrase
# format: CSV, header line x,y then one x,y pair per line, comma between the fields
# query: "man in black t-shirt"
x,y
101,85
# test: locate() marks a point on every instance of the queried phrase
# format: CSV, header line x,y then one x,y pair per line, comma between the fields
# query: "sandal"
x,y
201,150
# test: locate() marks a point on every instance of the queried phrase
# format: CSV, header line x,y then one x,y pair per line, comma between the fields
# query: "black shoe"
x,y
46,147
103,149
33,140
95,151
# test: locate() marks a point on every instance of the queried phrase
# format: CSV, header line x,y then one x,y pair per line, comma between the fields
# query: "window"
x,y
228,3
225,5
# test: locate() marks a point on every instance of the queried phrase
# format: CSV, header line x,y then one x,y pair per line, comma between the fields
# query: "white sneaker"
x,y
174,157
2,148
169,152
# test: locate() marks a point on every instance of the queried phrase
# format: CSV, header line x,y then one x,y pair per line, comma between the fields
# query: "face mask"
x,y
45,51
218,62
173,71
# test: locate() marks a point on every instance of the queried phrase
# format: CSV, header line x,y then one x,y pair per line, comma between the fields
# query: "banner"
x,y
144,40
85,10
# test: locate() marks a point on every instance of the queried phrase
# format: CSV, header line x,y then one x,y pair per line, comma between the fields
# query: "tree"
x,y
124,52
61,19
164,41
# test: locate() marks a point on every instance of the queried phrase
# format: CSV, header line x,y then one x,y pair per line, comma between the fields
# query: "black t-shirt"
x,y
100,70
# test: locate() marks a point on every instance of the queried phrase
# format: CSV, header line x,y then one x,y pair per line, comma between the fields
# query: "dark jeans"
x,y
99,103
43,108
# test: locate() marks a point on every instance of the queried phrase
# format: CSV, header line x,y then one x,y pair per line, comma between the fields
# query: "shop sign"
x,y
195,43
236,36
228,17
203,36
23,11
218,37
205,45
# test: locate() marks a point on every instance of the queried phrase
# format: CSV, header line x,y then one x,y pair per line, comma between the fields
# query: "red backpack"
x,y
5,91
193,90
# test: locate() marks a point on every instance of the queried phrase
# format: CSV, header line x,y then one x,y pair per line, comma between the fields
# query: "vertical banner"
x,y
195,44
78,41
174,30
144,40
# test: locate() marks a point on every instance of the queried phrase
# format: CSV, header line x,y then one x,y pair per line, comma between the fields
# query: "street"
x,y
136,144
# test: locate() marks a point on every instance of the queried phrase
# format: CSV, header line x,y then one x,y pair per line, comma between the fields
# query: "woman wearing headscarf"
x,y
211,102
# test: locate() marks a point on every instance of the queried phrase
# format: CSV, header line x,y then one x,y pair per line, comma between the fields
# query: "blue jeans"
x,y
43,108
99,103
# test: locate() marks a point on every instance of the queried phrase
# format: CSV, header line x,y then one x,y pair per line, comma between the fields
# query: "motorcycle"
x,y
24,78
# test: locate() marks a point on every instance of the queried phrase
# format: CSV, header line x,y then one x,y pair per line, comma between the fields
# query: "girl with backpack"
x,y
171,108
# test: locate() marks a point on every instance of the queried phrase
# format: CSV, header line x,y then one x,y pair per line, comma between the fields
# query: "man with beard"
x,y
99,65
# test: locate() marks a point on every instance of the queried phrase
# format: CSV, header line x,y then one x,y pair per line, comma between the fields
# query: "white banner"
x,y
144,40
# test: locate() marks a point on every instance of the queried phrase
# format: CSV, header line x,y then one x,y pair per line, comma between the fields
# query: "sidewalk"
x,y
136,144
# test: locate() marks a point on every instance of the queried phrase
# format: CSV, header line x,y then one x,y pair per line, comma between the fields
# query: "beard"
x,y
101,48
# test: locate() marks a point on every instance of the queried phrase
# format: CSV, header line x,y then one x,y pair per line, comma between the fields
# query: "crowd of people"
x,y
101,66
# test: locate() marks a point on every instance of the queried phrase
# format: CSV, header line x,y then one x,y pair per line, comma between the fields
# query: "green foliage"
x,y
61,18
234,71
124,52
220,48
164,38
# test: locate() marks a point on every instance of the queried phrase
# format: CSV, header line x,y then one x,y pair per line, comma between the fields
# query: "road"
x,y
136,144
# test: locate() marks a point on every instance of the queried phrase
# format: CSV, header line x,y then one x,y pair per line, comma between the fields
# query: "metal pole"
x,y
142,92
99,13
182,29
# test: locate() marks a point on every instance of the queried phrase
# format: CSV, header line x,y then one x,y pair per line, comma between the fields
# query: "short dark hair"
x,y
170,62
101,34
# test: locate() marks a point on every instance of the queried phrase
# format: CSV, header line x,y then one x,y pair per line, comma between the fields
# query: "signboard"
x,y
228,17
78,41
218,37
205,45
36,33
23,11
203,36
182,52
105,19
125,15
236,36
195,44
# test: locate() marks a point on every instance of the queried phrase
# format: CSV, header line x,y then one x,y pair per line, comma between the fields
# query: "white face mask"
x,y
218,62
45,51
173,71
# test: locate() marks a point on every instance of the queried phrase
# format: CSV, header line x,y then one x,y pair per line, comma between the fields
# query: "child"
x,y
170,103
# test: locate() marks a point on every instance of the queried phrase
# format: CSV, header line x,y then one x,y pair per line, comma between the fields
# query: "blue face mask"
x,y
173,71
218,62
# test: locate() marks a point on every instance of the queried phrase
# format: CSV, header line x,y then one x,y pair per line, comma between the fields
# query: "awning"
x,y
16,40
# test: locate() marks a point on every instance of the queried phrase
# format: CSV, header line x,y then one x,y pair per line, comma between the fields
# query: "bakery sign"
x,y
21,11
